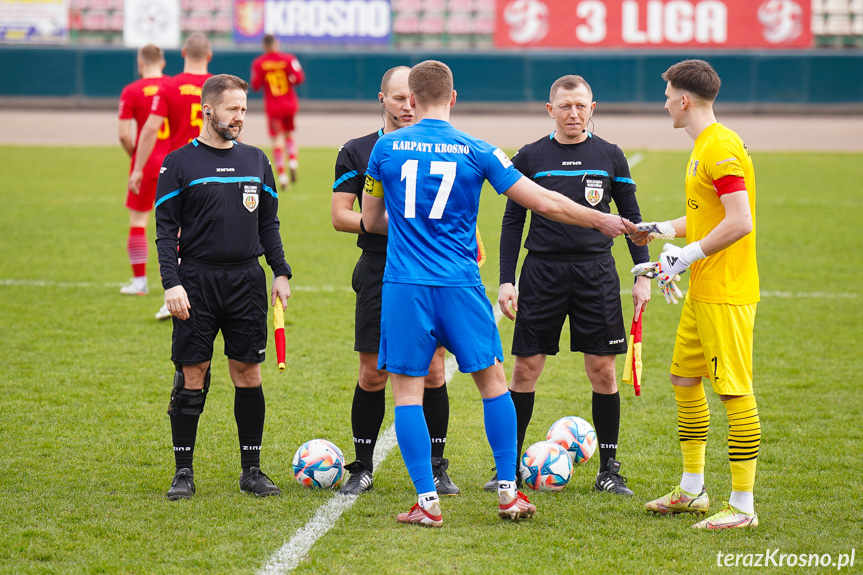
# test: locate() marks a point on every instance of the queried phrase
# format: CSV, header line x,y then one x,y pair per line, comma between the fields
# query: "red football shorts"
x,y
145,198
280,124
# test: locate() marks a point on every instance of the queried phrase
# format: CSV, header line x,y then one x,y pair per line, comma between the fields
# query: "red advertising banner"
x,y
654,23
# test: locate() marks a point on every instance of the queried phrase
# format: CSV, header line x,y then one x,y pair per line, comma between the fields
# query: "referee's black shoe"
x,y
182,487
442,481
612,481
360,480
254,481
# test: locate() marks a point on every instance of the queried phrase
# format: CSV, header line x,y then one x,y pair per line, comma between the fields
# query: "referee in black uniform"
x,y
569,270
222,194
368,407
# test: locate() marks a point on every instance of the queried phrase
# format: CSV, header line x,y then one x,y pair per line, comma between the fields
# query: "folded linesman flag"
x,y
632,367
279,332
480,249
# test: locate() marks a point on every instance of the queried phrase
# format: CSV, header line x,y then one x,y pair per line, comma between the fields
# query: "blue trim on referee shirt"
x,y
625,180
255,179
222,180
168,196
570,173
347,176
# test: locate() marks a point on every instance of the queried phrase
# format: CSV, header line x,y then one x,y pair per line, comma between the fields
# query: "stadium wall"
x,y
757,81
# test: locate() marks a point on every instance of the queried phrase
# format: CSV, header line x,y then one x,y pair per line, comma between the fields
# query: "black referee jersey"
x,y
351,167
226,204
592,174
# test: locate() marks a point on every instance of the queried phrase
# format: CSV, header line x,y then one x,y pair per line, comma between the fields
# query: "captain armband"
x,y
373,187
729,185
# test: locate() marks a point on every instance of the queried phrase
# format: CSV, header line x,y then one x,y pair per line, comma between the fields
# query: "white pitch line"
x,y
289,555
328,288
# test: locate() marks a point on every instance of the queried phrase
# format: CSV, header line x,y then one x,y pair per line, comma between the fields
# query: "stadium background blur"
x,y
773,55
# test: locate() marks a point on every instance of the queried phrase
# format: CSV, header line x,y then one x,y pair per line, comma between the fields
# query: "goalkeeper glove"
x,y
667,285
648,231
647,269
674,260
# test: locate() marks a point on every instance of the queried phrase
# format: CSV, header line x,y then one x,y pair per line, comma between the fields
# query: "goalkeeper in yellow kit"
x,y
714,338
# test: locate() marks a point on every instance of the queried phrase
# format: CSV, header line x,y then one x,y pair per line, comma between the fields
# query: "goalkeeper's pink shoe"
x,y
728,518
680,501
419,516
515,508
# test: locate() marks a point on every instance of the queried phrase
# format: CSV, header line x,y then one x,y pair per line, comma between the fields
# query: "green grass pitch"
x,y
86,454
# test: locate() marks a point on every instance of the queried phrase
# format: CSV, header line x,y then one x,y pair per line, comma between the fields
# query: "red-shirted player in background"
x,y
278,73
180,103
135,102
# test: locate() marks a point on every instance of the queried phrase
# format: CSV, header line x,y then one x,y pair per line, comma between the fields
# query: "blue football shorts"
x,y
414,318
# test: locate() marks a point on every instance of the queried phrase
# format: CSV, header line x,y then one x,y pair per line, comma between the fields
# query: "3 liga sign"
x,y
654,23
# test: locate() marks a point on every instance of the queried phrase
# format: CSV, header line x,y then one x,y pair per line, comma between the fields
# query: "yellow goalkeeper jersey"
x,y
731,275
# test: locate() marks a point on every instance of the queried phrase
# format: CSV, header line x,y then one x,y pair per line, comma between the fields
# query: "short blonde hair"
x,y
150,54
197,46
431,83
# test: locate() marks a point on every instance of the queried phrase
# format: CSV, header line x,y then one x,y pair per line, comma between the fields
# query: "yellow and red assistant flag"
x,y
279,332
480,249
632,367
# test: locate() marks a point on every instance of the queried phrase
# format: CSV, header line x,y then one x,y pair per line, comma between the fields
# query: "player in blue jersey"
x,y
369,404
423,184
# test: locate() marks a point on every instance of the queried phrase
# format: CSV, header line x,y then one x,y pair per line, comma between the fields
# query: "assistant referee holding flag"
x,y
223,196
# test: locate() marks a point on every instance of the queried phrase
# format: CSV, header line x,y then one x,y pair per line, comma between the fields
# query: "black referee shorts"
x,y
585,289
368,282
227,297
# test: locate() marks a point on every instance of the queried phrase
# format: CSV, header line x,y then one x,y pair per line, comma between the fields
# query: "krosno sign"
x,y
319,21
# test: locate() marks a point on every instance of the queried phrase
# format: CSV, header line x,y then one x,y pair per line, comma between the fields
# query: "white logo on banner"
x,y
151,22
527,20
782,20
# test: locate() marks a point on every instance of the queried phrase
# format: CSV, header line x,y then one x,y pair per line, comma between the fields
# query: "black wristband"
x,y
363,227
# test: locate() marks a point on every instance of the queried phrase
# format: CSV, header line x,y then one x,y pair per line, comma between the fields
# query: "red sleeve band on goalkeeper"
x,y
729,184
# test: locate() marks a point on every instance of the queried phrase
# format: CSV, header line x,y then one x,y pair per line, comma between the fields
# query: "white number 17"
x,y
409,176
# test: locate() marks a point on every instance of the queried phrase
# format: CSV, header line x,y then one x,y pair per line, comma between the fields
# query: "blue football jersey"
x,y
432,176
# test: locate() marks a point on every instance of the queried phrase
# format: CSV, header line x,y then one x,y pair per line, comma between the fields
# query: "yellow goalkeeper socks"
x,y
744,440
693,421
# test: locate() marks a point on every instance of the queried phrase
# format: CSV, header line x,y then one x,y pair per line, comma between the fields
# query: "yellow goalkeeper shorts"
x,y
714,340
